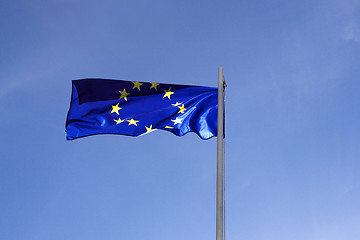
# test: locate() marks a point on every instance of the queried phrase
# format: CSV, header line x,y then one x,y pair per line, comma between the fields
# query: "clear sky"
x,y
292,120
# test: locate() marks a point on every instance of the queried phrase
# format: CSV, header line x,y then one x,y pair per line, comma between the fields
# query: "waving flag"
x,y
102,106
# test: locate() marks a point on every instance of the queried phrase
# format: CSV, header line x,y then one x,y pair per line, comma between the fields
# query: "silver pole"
x,y
220,170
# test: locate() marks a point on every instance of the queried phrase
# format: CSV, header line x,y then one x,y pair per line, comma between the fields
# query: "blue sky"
x,y
292,120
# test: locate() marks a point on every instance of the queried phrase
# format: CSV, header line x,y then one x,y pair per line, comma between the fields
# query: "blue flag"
x,y
102,106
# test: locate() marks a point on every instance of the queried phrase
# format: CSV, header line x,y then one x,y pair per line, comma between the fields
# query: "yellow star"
x,y
176,104
124,94
169,127
118,121
115,108
154,85
168,93
182,109
177,120
137,85
149,129
132,121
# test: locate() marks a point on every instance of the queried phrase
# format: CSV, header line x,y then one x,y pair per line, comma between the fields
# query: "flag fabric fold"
x,y
104,106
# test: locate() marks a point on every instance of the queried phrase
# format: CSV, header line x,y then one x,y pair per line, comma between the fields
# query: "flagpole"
x,y
220,165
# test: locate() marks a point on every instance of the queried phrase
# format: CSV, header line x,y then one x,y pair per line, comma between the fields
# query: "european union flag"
x,y
102,106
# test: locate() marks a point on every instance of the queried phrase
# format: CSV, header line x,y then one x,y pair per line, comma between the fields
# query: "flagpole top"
x,y
221,73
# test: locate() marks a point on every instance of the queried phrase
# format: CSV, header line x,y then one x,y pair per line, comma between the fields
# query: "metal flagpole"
x,y
220,165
